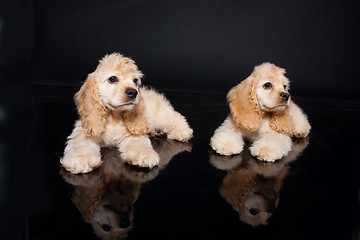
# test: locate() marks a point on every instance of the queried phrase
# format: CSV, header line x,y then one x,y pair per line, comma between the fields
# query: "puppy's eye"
x,y
285,86
135,80
106,227
113,79
253,211
267,86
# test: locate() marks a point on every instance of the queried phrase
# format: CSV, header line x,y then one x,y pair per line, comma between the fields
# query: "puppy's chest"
x,y
114,133
265,125
264,128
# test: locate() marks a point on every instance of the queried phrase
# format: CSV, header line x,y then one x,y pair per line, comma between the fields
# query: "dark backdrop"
x,y
205,46
182,45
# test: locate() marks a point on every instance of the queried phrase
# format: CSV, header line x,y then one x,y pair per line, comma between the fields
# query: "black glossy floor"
x,y
195,194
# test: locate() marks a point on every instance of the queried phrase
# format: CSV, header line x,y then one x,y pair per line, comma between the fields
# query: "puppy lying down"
x,y
116,111
263,112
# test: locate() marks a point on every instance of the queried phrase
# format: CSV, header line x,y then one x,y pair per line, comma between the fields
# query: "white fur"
x,y
267,144
227,138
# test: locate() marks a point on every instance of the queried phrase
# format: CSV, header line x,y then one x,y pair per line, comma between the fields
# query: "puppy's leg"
x,y
271,146
227,139
161,115
137,150
301,125
177,128
82,153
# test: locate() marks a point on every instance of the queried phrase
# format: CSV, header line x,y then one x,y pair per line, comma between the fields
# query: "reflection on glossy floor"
x,y
106,197
195,193
253,187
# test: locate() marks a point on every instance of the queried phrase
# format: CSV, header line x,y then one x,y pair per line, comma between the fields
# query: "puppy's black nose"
x,y
131,93
284,96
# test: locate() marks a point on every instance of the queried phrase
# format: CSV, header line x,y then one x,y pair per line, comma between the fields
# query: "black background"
x,y
180,45
193,46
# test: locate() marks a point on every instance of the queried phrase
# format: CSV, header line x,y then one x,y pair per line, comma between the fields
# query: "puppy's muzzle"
x,y
284,96
131,93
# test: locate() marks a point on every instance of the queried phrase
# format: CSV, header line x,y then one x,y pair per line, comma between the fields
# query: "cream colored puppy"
x,y
116,111
263,112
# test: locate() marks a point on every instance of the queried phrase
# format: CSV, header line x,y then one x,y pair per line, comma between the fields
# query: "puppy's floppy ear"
x,y
281,122
236,186
244,106
135,121
86,199
93,113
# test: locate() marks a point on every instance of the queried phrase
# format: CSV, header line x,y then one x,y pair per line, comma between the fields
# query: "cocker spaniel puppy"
x,y
263,112
116,111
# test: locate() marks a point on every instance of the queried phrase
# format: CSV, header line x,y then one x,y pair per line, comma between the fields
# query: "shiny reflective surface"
x,y
194,193
252,187
106,197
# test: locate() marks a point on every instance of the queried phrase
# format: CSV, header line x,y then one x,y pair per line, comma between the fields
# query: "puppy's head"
x,y
271,87
113,87
263,93
118,82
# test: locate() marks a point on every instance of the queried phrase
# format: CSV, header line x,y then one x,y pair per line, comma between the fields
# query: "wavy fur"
x,y
115,110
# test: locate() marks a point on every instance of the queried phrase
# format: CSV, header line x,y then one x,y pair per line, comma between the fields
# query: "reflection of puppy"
x,y
116,111
253,196
252,187
263,112
106,196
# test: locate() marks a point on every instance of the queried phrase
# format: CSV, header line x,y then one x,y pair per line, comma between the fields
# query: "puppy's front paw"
x,y
227,147
181,134
270,150
81,163
143,157
266,153
301,131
